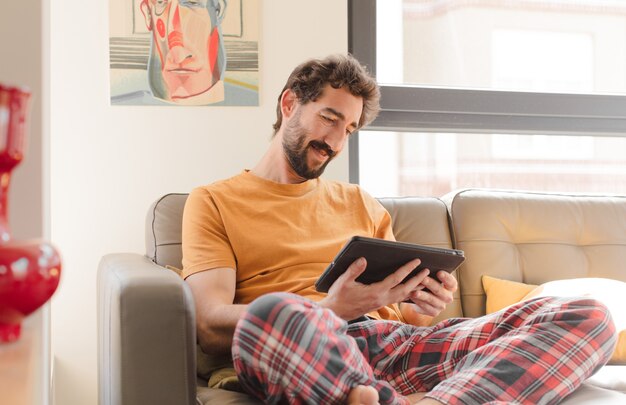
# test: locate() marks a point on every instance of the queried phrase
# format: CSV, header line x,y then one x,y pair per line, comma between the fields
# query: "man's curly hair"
x,y
308,80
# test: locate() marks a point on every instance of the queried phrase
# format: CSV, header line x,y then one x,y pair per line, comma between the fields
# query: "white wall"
x,y
109,163
22,63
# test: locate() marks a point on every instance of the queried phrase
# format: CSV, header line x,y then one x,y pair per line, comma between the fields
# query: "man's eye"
x,y
327,119
192,3
160,6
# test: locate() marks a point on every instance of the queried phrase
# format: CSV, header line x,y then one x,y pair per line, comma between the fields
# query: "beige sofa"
x,y
147,341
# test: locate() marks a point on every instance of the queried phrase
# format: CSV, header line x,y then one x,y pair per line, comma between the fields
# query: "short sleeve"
x,y
205,243
382,220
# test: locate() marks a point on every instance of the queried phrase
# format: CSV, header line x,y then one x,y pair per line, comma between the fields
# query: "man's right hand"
x,y
350,299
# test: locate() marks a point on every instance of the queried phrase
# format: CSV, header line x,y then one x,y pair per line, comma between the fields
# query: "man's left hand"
x,y
435,294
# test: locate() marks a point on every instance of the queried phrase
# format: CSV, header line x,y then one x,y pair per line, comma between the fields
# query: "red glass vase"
x,y
30,269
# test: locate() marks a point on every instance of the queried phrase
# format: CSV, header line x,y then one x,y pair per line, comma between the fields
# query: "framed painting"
x,y
184,52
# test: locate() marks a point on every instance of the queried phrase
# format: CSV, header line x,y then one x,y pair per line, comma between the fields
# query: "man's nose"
x,y
176,40
336,139
180,55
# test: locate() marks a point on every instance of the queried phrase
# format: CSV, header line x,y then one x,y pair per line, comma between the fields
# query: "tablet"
x,y
385,257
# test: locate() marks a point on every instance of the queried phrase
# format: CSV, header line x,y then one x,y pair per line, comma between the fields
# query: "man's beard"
x,y
296,152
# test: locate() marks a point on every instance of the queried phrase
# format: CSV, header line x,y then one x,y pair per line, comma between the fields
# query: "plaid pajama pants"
x,y
287,349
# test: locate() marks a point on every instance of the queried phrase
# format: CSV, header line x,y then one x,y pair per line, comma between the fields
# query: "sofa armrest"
x,y
146,334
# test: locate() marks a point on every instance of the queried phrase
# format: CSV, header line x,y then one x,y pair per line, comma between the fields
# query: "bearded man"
x,y
255,244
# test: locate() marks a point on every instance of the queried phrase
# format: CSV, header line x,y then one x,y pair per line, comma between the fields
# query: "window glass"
x,y
523,45
432,164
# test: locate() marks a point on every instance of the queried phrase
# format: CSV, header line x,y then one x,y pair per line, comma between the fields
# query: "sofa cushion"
x,y
164,230
535,238
590,394
610,378
213,396
502,293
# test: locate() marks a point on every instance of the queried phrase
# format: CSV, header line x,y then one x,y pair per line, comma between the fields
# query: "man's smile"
x,y
183,70
322,149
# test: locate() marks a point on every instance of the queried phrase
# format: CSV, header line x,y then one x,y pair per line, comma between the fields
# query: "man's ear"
x,y
288,102
145,10
220,9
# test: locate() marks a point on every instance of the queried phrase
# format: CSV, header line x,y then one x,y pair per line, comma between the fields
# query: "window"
x,y
432,164
528,45
523,60
522,94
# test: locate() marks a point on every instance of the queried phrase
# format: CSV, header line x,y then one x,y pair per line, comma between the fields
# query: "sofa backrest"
x,y
164,230
535,238
420,220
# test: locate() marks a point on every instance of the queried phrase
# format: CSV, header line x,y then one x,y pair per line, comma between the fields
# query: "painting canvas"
x,y
184,52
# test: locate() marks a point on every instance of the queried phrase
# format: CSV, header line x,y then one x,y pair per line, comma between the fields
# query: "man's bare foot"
x,y
418,398
363,395
413,398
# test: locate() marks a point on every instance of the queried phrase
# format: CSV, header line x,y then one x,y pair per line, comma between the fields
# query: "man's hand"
x,y
431,300
350,299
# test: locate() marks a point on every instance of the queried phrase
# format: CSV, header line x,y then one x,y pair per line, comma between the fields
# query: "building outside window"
x,y
516,94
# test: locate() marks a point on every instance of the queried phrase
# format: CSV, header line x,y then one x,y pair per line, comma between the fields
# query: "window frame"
x,y
414,108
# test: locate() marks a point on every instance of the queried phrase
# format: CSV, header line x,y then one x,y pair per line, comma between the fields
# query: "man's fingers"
x,y
414,282
427,309
433,285
354,270
400,274
448,281
427,300
438,288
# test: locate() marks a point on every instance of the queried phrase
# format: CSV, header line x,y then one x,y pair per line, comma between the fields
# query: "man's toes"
x,y
363,395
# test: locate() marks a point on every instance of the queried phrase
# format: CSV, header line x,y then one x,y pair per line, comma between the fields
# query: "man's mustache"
x,y
323,146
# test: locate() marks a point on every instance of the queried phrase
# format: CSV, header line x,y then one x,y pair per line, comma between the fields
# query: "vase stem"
x,y
10,332
5,231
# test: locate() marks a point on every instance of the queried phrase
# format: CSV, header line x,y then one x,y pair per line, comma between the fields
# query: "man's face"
x,y
317,131
187,55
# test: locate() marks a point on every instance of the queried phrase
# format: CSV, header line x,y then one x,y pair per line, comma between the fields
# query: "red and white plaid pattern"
x,y
287,349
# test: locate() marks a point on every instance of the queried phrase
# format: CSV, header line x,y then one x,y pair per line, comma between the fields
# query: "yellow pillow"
x,y
502,293
610,292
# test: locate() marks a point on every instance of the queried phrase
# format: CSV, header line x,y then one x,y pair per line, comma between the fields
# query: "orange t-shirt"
x,y
277,237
